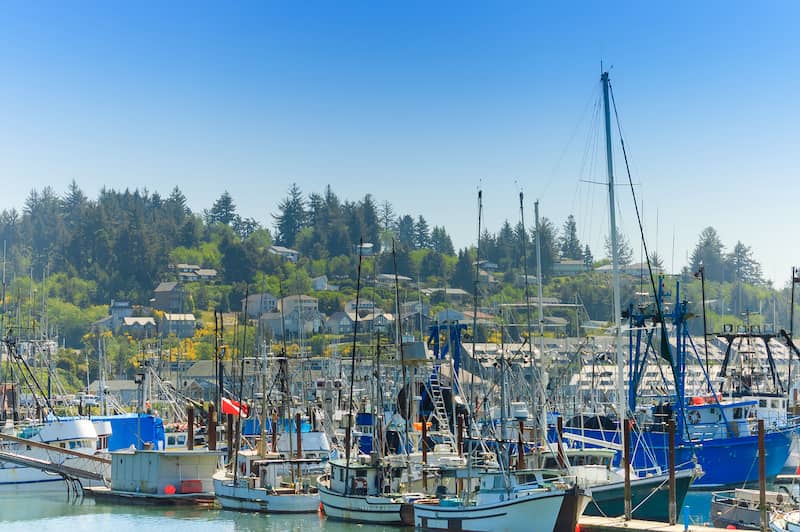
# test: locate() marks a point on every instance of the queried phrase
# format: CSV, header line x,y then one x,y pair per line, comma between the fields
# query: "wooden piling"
x,y
190,428
229,437
424,454
626,438
762,478
673,510
212,427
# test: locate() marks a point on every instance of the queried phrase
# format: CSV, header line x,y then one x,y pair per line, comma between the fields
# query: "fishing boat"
x,y
365,491
71,444
718,434
740,508
593,471
262,486
506,502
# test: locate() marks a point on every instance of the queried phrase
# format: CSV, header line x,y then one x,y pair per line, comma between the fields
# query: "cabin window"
x,y
776,403
737,413
762,403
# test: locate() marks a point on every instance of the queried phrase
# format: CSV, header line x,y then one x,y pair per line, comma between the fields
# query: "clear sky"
x,y
418,103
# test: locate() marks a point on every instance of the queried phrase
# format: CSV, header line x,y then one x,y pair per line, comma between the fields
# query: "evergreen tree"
x,y
422,237
370,221
624,251
548,245
223,211
291,218
743,267
709,253
588,259
405,231
440,241
569,244
463,276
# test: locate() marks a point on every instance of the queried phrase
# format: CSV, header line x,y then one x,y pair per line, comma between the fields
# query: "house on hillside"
x,y
168,296
340,323
569,267
310,321
139,326
119,310
258,304
290,304
181,325
286,253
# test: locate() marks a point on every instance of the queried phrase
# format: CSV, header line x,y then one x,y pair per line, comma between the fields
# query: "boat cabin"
x,y
364,477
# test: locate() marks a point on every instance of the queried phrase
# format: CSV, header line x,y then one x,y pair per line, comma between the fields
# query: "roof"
x,y
140,320
208,272
281,249
298,298
179,317
166,286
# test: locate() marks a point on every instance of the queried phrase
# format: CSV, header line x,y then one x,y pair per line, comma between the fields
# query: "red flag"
x,y
230,406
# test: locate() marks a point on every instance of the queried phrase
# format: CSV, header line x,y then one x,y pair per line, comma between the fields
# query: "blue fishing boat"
x,y
716,430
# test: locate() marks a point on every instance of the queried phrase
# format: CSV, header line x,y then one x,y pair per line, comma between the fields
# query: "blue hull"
x,y
724,461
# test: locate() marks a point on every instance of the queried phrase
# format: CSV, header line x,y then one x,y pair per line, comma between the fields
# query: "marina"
x,y
372,267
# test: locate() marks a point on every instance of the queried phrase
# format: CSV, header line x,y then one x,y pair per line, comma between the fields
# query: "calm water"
x,y
36,512
30,512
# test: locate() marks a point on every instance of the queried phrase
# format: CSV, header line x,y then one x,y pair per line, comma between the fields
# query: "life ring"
x,y
694,417
360,483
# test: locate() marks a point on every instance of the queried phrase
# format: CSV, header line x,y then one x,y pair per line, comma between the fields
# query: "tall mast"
x,y
614,256
542,363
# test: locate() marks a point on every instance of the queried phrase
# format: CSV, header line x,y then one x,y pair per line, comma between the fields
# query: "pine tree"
x,y
440,241
422,237
624,251
569,244
223,211
709,253
291,218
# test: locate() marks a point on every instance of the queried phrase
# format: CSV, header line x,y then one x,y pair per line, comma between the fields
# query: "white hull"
x,y
538,511
794,453
370,509
241,497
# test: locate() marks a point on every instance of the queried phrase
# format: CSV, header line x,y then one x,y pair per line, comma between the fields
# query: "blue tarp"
x,y
134,429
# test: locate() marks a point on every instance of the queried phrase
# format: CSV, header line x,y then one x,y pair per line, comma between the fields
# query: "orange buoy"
x,y
169,489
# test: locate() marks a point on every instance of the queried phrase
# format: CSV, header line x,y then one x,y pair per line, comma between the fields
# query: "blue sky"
x,y
418,103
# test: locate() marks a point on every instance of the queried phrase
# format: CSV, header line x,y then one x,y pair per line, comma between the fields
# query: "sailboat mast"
x,y
621,407
543,377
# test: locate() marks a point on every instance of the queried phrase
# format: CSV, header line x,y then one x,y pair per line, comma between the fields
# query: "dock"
x,y
614,524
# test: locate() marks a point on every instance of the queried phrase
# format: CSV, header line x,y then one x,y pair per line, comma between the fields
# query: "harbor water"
x,y
52,512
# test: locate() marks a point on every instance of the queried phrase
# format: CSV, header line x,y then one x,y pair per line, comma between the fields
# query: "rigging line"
x,y
636,208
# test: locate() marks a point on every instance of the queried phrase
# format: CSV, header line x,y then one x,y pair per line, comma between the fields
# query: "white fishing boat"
x,y
506,502
71,443
260,485
366,491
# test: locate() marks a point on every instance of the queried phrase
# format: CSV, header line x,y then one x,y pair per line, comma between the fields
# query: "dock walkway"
x,y
614,524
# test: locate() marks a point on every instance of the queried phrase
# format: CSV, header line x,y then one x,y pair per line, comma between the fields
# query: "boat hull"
x,y
649,497
361,508
235,496
725,461
542,510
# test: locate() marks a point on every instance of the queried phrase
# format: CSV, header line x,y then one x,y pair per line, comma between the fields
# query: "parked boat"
x,y
365,491
260,485
593,471
160,478
740,508
72,443
506,502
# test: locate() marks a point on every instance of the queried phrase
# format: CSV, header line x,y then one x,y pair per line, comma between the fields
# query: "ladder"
x,y
440,409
